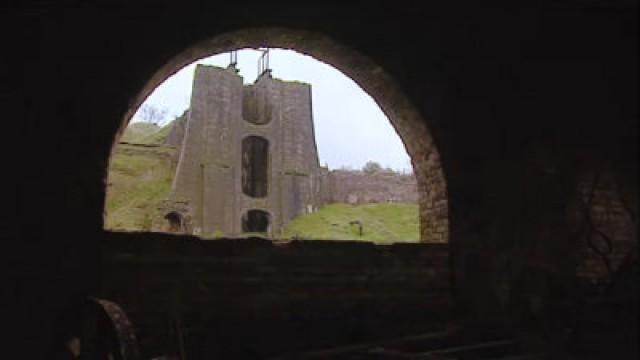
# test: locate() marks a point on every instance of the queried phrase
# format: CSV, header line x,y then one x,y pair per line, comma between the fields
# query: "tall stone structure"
x,y
248,160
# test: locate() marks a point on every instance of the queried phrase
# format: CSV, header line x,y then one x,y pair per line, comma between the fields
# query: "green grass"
x,y
139,179
382,223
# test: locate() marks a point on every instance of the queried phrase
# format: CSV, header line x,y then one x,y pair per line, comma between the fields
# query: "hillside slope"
x,y
140,176
139,179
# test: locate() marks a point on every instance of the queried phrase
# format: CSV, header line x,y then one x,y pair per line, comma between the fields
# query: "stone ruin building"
x,y
248,160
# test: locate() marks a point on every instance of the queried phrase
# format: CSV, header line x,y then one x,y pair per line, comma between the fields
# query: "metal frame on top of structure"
x,y
233,58
263,61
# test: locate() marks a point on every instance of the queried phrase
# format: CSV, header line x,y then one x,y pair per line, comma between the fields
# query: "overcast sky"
x,y
350,128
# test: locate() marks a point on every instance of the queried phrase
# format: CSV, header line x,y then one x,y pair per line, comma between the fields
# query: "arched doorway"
x,y
174,222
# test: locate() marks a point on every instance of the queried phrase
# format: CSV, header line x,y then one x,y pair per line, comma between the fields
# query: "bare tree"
x,y
152,114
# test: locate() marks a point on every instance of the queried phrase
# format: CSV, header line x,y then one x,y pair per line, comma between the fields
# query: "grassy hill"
x,y
381,223
139,177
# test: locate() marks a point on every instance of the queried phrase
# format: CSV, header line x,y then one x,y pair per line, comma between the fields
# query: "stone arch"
x,y
410,125
174,221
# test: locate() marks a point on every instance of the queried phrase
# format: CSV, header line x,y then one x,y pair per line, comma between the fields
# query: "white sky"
x,y
350,128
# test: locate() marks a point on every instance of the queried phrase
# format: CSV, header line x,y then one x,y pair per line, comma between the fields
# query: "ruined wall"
x,y
359,187
253,298
432,195
213,167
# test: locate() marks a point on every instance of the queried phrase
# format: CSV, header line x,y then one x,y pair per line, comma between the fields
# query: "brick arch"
x,y
373,79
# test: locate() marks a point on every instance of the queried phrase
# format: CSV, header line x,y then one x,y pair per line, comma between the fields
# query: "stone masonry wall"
x,y
604,224
357,187
256,297
223,113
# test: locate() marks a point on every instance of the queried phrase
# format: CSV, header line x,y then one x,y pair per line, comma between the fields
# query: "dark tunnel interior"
x,y
529,112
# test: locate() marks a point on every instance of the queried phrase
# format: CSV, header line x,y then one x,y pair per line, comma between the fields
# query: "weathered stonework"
x,y
602,220
357,187
248,160
245,286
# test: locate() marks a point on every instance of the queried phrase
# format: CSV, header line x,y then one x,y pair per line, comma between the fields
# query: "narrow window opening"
x,y
255,164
